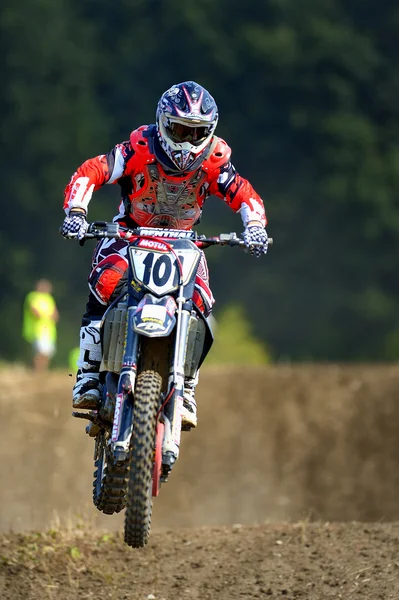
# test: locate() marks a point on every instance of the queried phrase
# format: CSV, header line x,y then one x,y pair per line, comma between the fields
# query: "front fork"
x,y
122,426
172,413
173,409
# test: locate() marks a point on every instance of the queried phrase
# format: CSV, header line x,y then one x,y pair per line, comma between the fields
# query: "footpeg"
x,y
90,416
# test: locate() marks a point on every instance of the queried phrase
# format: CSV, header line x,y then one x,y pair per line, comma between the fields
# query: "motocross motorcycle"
x,y
153,337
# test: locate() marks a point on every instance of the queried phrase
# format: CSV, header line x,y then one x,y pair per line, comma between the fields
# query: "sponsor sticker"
x,y
117,417
167,233
154,312
153,245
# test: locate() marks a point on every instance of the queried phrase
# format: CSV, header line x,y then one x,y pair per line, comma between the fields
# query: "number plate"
x,y
158,270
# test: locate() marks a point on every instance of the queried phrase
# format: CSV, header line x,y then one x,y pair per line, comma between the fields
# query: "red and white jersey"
x,y
151,195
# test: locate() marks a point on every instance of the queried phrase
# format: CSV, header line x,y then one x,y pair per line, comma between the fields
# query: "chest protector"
x,y
156,198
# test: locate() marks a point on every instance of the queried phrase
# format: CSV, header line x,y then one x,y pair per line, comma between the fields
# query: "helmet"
x,y
186,119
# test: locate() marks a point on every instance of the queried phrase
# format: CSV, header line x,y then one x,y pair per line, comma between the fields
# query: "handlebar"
x,y
103,229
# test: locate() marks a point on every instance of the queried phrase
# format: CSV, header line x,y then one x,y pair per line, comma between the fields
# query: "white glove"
x,y
255,234
74,226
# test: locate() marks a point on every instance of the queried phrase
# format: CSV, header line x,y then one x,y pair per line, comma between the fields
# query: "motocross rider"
x,y
166,172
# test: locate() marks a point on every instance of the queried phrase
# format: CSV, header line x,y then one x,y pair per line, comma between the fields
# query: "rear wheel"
x,y
110,480
139,494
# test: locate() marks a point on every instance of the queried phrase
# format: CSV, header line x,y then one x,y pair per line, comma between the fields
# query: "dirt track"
x,y
305,562
277,444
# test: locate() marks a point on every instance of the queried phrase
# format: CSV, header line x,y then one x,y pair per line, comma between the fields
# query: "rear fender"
x,y
155,317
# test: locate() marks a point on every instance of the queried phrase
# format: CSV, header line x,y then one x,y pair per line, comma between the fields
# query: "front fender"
x,y
155,317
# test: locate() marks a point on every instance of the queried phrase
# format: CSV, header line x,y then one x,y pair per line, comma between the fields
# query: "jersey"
x,y
154,195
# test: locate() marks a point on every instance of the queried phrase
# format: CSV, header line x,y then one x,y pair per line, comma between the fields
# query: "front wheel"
x,y
139,493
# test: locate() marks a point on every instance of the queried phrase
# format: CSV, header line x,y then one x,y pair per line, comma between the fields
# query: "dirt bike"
x,y
153,337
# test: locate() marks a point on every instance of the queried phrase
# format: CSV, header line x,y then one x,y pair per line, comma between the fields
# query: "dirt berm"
x,y
292,444
283,442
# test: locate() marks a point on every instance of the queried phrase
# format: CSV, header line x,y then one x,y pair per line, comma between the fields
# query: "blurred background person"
x,y
39,324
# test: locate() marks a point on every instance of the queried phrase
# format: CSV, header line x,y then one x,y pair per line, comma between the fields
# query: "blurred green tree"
x,y
235,343
308,101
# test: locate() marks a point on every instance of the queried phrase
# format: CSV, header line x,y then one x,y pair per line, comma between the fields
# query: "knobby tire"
x,y
139,492
110,481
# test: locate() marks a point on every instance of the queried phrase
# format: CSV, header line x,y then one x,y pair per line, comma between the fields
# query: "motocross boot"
x,y
189,412
87,390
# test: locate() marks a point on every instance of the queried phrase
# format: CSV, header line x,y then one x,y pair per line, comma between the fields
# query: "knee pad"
x,y
108,277
203,298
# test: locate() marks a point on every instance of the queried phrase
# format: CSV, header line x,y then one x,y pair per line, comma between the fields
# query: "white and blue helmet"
x,y
186,119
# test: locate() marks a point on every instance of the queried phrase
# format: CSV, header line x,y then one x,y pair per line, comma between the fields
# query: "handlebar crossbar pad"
x,y
166,233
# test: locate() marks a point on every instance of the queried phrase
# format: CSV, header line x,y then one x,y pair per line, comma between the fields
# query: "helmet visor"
x,y
180,132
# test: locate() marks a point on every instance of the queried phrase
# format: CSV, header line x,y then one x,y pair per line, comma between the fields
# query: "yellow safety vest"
x,y
44,326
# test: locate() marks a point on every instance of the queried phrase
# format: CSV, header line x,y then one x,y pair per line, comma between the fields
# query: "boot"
x,y
87,390
189,412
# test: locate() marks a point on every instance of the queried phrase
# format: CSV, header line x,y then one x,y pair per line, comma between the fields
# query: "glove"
x,y
255,234
74,226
